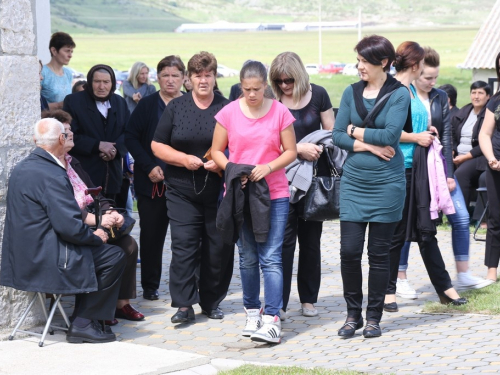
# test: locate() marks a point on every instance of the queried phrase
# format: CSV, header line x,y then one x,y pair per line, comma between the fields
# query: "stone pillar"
x,y
19,110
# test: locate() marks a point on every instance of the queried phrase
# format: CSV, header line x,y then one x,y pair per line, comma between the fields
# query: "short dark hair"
x,y
375,48
408,54
171,61
62,116
203,61
481,85
77,85
59,40
452,93
431,57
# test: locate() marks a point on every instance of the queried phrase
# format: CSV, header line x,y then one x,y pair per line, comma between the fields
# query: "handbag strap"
x,y
331,164
376,108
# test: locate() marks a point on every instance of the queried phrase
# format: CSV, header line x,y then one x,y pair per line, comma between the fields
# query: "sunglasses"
x,y
286,81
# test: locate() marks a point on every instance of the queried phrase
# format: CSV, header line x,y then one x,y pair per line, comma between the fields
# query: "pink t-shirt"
x,y
257,141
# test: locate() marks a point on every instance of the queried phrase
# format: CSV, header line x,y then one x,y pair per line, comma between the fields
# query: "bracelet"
x,y
352,131
270,169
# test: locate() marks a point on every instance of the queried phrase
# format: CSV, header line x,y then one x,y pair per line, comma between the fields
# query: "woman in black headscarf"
x,y
99,119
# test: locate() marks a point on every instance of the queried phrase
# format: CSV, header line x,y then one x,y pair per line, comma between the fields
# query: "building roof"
x,y
486,44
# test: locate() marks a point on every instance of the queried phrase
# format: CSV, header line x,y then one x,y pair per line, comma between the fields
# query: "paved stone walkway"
x,y
412,342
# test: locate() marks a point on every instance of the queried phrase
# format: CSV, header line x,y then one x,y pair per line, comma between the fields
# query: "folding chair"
x,y
48,317
481,192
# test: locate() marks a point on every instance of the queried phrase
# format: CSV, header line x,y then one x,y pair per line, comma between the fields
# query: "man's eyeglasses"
x,y
65,135
286,81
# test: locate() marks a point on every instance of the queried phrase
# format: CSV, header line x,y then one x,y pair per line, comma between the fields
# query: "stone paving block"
x,y
442,339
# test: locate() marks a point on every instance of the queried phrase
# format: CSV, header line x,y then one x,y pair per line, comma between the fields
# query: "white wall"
x,y
19,110
43,32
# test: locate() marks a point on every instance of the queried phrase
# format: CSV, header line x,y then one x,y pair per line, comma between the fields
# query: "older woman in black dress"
x,y
149,172
183,136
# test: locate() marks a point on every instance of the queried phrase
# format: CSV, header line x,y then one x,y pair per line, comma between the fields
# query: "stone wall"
x,y
19,110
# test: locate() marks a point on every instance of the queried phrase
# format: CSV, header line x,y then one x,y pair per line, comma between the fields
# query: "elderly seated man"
x,y
47,247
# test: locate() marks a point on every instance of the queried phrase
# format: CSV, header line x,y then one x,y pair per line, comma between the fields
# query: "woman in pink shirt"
x,y
259,131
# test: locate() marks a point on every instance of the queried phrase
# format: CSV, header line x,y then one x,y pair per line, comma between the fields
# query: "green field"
x,y
232,49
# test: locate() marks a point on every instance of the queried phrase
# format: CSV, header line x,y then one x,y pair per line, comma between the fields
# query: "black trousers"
x,y
492,253
128,286
468,178
192,217
109,262
309,270
154,220
122,197
478,210
431,255
352,239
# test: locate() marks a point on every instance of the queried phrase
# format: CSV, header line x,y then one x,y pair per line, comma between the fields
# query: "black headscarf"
x,y
90,78
390,85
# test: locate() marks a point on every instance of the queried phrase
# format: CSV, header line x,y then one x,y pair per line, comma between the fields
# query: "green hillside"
x,y
151,16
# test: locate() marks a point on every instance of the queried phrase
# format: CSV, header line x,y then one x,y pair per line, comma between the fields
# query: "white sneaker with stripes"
x,y
254,321
270,331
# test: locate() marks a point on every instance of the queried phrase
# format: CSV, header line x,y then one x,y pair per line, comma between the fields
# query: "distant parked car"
x,y
75,74
224,71
312,68
120,77
153,76
332,68
350,70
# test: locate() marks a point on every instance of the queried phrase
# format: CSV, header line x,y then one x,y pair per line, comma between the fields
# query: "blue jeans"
x,y
459,221
403,260
459,231
268,255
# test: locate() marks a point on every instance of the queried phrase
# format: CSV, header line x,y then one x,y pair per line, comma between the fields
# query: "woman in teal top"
x,y
372,188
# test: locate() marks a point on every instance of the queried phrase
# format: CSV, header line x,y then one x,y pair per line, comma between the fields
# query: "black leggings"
x,y
492,254
352,239
431,255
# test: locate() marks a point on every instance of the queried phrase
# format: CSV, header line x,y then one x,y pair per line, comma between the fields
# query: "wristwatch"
x,y
352,131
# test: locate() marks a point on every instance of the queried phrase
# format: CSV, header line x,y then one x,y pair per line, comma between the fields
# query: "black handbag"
x,y
322,200
114,234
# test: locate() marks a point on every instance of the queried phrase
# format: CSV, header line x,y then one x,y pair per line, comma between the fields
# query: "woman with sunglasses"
x,y
312,109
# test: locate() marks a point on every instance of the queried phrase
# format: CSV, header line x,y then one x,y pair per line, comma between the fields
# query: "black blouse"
x,y
189,129
494,106
308,119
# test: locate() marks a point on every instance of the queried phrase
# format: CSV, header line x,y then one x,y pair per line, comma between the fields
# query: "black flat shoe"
x,y
183,316
391,307
213,314
92,333
150,294
353,326
375,331
445,300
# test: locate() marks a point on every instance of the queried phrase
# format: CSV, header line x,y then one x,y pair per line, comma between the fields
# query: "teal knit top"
x,y
372,189
419,120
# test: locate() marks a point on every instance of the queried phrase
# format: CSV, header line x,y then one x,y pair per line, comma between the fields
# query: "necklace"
x,y
204,186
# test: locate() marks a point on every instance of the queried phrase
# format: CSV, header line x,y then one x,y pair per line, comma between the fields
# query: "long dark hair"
x,y
497,66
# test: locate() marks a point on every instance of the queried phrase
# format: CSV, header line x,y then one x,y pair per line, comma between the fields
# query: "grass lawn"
x,y
481,301
232,49
284,370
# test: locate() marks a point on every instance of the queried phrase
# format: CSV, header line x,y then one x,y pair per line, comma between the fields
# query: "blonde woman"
x,y
137,86
312,109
